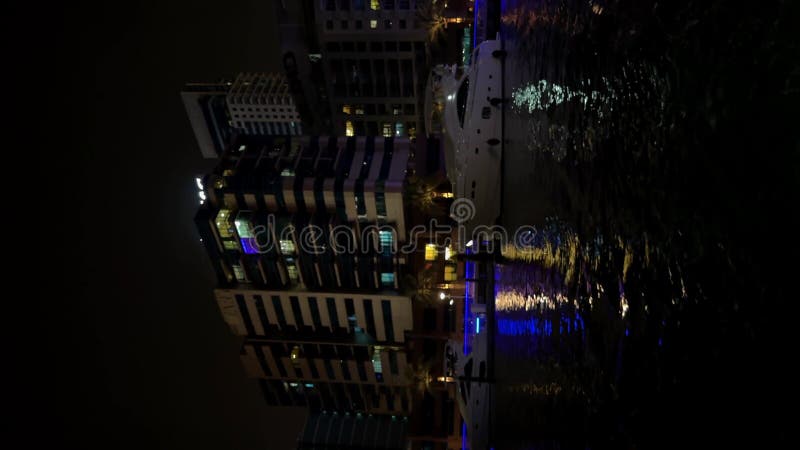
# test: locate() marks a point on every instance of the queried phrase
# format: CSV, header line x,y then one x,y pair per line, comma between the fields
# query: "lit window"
x,y
386,240
376,360
446,194
399,129
375,5
287,247
448,252
292,269
239,272
346,109
449,273
359,110
387,279
348,129
387,130
373,24
431,252
223,226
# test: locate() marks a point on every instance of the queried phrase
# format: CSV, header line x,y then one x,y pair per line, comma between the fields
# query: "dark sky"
x,y
133,351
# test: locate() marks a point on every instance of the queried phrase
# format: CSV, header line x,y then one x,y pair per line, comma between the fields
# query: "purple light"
x,y
249,246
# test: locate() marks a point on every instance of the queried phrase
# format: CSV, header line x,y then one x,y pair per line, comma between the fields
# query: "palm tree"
x,y
421,194
431,14
420,288
419,375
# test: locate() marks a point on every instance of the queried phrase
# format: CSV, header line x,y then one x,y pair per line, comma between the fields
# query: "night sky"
x,y
126,346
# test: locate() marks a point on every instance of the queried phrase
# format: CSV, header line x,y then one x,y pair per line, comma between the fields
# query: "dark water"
x,y
654,145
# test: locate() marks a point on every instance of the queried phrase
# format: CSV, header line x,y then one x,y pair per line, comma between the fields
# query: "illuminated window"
x,y
399,129
387,129
376,360
446,194
348,129
386,240
223,226
291,267
346,109
431,252
239,272
373,24
387,279
448,252
375,5
450,272
359,110
287,247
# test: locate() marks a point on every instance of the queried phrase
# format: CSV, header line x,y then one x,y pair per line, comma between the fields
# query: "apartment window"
x,y
405,46
387,279
330,5
402,24
239,272
387,129
345,369
344,5
361,46
375,46
431,252
348,47
393,363
388,325
312,305
291,268
404,4
348,129
276,304
362,372
390,46
329,369
387,241
329,24
261,311
396,108
298,315
370,316
387,24
450,272
373,24
388,4
344,24
375,5
359,110
347,109
359,5
408,109
333,315
359,24
248,323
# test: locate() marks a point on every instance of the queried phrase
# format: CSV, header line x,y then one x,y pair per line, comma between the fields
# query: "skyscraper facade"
x,y
252,104
374,57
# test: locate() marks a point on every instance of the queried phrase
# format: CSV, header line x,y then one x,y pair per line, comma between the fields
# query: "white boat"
x,y
473,126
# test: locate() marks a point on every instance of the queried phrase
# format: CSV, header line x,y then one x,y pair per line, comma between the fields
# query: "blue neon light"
x,y
249,246
477,325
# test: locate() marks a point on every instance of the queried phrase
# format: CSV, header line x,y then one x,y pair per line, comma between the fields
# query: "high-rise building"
x,y
342,198
208,114
374,59
253,104
260,103
304,235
